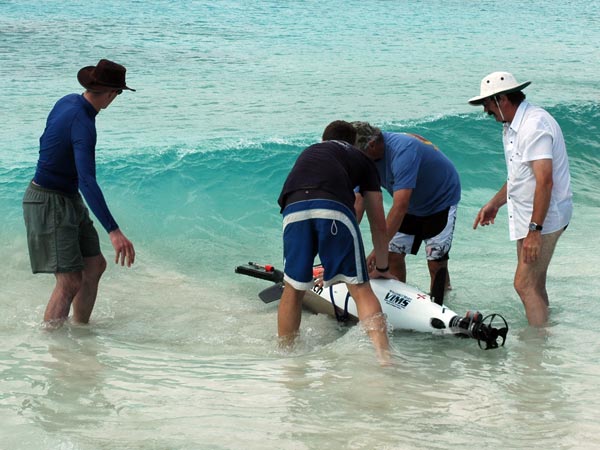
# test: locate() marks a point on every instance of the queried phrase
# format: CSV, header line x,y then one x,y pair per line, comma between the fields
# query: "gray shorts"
x,y
437,231
60,232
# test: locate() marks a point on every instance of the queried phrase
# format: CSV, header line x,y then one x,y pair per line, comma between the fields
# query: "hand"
x,y
123,248
377,274
318,272
532,246
486,216
371,261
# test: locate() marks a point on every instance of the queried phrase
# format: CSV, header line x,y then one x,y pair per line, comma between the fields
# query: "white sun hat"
x,y
497,83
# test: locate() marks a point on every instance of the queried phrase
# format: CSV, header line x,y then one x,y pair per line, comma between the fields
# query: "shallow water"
x,y
180,352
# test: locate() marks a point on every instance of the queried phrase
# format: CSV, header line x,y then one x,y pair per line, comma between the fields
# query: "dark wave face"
x,y
225,189
180,352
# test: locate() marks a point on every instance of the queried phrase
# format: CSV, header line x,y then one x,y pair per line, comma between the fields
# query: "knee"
x,y
101,265
519,289
70,283
518,284
523,286
95,267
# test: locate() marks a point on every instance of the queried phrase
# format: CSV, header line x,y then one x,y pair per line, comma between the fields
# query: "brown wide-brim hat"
x,y
105,76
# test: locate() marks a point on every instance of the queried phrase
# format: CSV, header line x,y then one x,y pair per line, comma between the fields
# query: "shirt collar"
x,y
88,107
516,122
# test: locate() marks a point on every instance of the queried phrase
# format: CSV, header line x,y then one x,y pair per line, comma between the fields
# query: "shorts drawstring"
x,y
333,228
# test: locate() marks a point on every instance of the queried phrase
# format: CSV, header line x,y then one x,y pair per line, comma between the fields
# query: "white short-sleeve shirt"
x,y
532,135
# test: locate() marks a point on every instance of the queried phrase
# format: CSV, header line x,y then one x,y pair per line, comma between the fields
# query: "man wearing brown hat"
x,y
425,188
61,237
538,187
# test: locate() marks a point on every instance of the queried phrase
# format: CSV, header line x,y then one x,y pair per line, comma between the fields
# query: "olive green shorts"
x,y
60,232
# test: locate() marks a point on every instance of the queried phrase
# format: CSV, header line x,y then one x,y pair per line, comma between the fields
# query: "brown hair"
x,y
515,97
340,130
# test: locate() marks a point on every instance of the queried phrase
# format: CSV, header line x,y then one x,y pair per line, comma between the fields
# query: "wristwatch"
x,y
535,227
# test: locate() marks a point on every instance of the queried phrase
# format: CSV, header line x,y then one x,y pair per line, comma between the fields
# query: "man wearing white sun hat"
x,y
537,191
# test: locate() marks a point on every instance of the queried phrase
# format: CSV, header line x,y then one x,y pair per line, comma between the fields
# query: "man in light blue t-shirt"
x,y
425,188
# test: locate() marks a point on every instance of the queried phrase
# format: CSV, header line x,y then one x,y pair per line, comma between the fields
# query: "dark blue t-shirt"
x,y
67,155
334,168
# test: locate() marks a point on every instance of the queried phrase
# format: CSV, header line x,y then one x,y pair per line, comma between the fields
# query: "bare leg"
x,y
434,266
84,301
289,315
530,280
67,286
398,265
369,310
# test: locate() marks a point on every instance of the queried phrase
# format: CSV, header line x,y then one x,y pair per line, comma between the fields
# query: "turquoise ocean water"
x,y
180,353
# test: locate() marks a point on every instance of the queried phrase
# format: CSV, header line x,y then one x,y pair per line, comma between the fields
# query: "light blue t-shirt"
x,y
412,162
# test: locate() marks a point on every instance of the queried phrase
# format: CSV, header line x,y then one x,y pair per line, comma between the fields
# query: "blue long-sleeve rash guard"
x,y
67,160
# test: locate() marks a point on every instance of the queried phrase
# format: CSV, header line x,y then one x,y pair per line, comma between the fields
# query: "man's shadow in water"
x,y
73,380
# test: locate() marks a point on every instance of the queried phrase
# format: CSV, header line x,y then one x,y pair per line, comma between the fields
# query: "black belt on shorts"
x,y
307,194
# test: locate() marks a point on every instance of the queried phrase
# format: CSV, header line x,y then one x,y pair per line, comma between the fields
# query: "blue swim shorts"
x,y
329,229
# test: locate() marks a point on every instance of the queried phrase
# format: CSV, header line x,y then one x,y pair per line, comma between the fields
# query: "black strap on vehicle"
x,y
343,318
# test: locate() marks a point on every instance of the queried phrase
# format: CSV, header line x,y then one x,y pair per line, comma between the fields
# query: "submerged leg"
x,y
434,267
59,305
398,265
530,280
289,315
372,318
84,301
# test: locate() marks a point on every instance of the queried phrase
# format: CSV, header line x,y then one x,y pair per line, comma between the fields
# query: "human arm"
x,y
373,202
124,251
395,216
542,170
359,206
487,214
83,140
401,173
401,200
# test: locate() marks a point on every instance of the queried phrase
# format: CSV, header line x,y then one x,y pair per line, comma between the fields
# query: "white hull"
x,y
406,307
